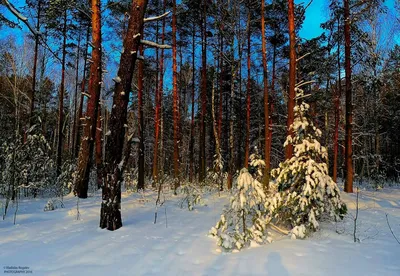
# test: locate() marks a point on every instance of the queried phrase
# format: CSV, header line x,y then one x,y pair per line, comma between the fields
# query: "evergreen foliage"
x,y
304,193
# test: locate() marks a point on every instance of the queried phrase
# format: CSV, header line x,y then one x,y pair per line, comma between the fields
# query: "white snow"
x,y
55,243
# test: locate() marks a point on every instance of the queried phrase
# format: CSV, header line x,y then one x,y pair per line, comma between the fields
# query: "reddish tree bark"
x,y
348,187
88,141
110,215
292,76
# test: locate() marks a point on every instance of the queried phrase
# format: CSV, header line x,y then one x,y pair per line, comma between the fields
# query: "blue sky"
x,y
315,15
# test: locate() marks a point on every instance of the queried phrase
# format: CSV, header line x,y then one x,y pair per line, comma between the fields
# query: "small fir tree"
x,y
306,192
238,224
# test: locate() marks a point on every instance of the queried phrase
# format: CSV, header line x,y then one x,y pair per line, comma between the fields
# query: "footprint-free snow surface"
x,y
56,243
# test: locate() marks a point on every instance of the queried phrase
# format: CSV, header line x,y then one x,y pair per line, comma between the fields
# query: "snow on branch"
x,y
302,83
149,19
303,56
155,45
24,19
35,32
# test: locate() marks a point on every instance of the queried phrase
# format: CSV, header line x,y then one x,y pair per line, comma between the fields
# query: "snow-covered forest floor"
x,y
56,243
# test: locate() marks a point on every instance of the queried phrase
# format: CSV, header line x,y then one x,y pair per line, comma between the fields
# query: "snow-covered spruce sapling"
x,y
192,196
240,223
256,165
306,193
25,164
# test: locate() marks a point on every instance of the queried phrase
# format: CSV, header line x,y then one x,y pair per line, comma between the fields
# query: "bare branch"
x,y
155,45
387,220
24,19
35,32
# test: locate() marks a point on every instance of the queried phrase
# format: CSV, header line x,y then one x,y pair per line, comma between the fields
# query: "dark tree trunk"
x,y
35,58
348,187
140,185
110,215
248,100
99,147
267,145
175,100
191,146
80,110
159,94
61,99
202,152
76,96
338,95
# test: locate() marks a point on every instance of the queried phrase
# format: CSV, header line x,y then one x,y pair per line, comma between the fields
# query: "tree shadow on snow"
x,y
274,265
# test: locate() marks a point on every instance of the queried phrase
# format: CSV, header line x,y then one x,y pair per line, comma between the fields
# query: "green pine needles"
x,y
301,195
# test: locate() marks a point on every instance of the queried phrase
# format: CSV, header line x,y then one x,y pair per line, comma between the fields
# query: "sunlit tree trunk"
x,y
85,159
292,76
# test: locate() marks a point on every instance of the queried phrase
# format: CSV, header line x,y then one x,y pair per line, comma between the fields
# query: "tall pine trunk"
x,y
78,122
110,214
338,94
348,186
175,99
75,96
88,141
248,100
61,98
292,77
140,185
267,145
191,145
203,98
35,59
159,95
